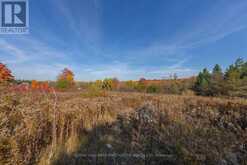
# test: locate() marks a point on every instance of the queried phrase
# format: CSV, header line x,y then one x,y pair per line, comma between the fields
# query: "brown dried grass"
x,y
195,130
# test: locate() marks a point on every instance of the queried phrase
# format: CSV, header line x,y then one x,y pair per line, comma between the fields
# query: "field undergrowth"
x,y
72,128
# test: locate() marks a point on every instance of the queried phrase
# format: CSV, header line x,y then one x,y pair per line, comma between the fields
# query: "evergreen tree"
x,y
243,73
232,73
232,83
239,63
216,81
217,71
236,79
203,82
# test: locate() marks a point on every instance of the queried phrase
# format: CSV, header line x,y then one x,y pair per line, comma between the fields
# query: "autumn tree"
x,y
67,75
42,86
5,74
34,84
65,79
98,84
107,84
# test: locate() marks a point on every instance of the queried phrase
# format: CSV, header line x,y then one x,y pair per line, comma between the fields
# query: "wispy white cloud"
x,y
31,58
23,50
83,20
37,71
221,20
16,54
125,71
30,64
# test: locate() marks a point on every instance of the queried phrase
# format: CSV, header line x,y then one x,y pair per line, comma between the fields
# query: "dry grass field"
x,y
121,128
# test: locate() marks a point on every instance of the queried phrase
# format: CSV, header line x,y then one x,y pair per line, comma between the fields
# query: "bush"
x,y
153,89
140,87
63,84
188,93
128,86
94,91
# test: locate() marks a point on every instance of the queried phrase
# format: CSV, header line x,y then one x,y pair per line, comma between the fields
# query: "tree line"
x,y
231,82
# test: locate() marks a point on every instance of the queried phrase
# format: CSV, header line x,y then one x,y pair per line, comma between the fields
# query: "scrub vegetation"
x,y
133,122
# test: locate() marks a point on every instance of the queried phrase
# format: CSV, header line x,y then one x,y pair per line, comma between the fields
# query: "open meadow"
x,y
120,127
123,82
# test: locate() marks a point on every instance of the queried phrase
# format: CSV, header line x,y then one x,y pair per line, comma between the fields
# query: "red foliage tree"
x,y
5,73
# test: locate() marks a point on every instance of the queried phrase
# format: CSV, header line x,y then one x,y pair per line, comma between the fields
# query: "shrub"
x,y
153,89
141,85
128,86
94,90
63,84
188,93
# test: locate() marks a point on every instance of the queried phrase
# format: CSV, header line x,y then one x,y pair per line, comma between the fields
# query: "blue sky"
x,y
127,39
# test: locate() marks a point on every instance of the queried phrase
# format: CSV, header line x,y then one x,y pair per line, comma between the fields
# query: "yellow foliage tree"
x,y
65,79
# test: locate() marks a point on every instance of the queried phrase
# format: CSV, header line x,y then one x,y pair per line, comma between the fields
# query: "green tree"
x,y
244,71
63,84
235,77
217,71
203,82
216,81
239,63
232,83
237,71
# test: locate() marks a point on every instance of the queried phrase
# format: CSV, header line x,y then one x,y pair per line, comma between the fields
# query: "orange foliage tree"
x,y
5,73
66,75
43,86
65,79
34,84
